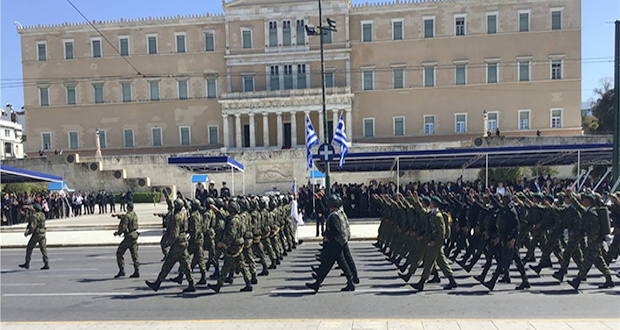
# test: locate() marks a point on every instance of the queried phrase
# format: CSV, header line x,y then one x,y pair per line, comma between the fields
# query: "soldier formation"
x,y
421,231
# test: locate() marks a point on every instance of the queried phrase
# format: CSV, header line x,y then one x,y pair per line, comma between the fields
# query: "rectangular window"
x,y
556,69
460,121
366,31
95,44
368,80
154,90
214,135
459,25
301,76
461,74
248,84
429,27
46,141
212,88
429,76
300,32
492,76
491,23
156,137
103,139
399,126
151,41
369,127
288,77
556,118
179,39
182,89
123,45
246,38
556,20
128,138
73,140
399,78
524,71
274,78
209,41
71,95
429,125
492,121
42,51
126,91
68,49
98,90
185,137
286,33
524,119
327,36
329,79
397,30
273,34
524,21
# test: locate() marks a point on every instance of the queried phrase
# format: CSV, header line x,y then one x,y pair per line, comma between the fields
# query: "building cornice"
x,y
292,57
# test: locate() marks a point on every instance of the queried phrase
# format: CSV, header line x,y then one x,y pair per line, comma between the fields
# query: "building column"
x,y
335,121
279,128
293,128
265,129
252,131
348,125
238,130
321,128
226,133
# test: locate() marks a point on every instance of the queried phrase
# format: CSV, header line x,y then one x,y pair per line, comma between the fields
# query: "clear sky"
x,y
597,31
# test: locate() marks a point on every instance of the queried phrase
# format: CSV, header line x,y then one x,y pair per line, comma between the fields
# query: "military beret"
x,y
426,199
437,200
37,207
587,195
130,204
548,196
539,195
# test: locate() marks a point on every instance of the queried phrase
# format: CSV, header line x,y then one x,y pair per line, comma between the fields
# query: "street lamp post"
x,y
97,143
322,31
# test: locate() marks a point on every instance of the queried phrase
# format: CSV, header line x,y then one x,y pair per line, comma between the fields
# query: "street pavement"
x,y
79,292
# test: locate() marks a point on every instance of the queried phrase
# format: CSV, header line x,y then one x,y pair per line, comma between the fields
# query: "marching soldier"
x,y
128,227
36,228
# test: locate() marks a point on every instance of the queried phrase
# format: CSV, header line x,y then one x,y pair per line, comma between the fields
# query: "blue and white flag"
x,y
341,137
311,139
294,188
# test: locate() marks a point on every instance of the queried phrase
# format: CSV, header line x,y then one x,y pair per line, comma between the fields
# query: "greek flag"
x,y
341,137
311,139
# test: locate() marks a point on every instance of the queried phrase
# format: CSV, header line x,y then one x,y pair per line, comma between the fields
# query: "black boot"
x,y
215,275
559,275
505,279
608,283
403,268
203,279
247,288
190,288
278,261
178,279
136,274
524,285
229,280
537,269
575,283
25,265
46,266
272,266
121,273
153,285
435,278
265,272
450,285
215,287
405,277
419,286
491,284
254,280
314,286
349,287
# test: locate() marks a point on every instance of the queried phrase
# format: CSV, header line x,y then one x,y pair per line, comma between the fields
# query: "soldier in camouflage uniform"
x,y
256,225
36,228
266,231
196,241
248,239
128,227
573,221
176,239
233,242
210,223
166,218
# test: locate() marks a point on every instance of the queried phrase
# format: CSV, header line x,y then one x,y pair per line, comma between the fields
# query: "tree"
x,y
503,174
603,107
544,171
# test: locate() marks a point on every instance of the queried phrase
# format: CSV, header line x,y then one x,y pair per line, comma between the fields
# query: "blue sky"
x,y
597,30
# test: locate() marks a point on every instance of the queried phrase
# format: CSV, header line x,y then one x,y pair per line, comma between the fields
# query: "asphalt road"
x,y
80,287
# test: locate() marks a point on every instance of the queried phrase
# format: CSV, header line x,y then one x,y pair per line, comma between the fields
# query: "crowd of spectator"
x,y
59,205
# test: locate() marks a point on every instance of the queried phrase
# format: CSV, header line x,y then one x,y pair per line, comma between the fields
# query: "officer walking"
x,y
36,228
128,227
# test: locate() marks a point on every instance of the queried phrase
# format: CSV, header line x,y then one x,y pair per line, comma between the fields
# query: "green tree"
x,y
21,188
544,171
603,107
503,174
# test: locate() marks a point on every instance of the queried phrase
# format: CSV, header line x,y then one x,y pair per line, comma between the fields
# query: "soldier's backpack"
x,y
604,221
447,221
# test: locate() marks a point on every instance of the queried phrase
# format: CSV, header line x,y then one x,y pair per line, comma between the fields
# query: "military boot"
x,y
46,266
405,277
190,288
215,287
265,272
608,283
559,275
404,267
178,279
435,278
349,287
524,285
272,266
505,279
121,273
203,278
25,265
419,286
215,275
136,274
491,284
248,288
153,285
314,286
254,280
575,283
450,285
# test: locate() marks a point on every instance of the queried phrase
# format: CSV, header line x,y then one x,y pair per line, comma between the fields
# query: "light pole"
x,y
321,32
616,151
98,144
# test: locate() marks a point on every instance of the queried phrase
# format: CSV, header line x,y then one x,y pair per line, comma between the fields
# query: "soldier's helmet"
x,y
210,201
178,204
254,204
233,207
272,205
333,201
196,204
243,204
262,203
219,202
285,200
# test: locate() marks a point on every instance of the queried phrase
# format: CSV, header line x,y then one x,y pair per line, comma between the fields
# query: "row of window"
x,y
157,139
524,68
460,24
460,123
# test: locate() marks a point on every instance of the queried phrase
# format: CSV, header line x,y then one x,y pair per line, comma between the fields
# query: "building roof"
x,y
17,175
551,155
